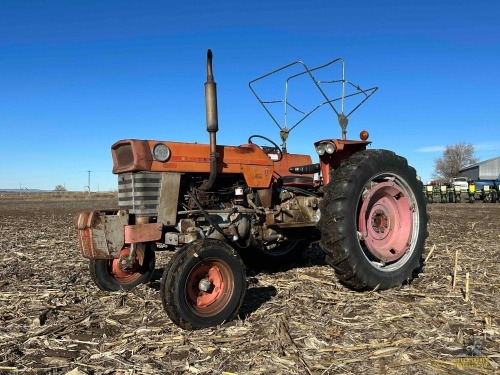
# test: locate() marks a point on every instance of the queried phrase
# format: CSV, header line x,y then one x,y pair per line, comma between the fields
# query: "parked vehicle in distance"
x,y
460,181
489,190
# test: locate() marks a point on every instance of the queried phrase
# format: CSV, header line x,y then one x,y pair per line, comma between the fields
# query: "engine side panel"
x,y
135,155
281,168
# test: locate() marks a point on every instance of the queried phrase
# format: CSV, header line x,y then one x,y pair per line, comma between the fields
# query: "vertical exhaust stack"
x,y
212,121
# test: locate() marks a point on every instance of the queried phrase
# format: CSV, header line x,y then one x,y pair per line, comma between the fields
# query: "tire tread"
x,y
334,227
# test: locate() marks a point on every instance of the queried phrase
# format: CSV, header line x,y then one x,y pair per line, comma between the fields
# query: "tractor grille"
x,y
139,192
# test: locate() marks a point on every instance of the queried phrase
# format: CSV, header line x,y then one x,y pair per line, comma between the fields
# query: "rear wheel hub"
x,y
380,221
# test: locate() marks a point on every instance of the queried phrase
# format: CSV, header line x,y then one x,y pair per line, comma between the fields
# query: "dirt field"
x,y
299,320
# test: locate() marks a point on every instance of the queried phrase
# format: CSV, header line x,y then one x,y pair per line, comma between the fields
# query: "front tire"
x,y
203,284
374,220
108,275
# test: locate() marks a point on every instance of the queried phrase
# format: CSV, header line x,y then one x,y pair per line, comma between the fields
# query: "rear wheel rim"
x,y
209,287
388,222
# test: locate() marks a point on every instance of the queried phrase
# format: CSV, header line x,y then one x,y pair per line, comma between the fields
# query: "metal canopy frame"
x,y
342,117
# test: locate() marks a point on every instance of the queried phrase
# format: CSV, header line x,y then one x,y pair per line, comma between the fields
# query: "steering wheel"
x,y
268,150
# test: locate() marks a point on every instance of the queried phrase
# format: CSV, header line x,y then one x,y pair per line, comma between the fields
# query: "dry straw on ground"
x,y
299,320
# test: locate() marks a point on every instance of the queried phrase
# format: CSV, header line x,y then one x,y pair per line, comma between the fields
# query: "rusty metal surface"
x,y
212,121
131,155
142,232
265,196
169,196
100,233
344,149
142,219
211,98
248,159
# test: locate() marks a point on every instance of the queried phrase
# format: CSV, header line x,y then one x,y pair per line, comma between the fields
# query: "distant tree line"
x,y
455,157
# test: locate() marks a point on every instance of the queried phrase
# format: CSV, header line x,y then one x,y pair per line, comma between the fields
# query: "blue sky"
x,y
76,76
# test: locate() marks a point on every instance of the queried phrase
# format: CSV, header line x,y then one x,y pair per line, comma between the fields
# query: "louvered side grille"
x,y
139,192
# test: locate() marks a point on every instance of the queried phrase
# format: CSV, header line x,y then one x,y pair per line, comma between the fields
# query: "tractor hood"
x,y
133,155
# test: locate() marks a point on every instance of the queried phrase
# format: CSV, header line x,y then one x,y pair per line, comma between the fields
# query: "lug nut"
x,y
205,285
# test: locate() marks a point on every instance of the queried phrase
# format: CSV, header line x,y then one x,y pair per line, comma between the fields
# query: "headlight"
x,y
330,148
320,149
161,152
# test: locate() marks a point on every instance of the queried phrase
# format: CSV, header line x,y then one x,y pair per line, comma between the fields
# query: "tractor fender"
x,y
343,150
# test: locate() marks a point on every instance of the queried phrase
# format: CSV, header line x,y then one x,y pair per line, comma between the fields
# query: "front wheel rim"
x,y
209,287
128,276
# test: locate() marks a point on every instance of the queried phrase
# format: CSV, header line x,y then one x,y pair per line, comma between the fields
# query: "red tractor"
x,y
218,205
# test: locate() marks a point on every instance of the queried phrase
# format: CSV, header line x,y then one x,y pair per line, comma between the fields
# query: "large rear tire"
x,y
203,284
374,220
109,276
